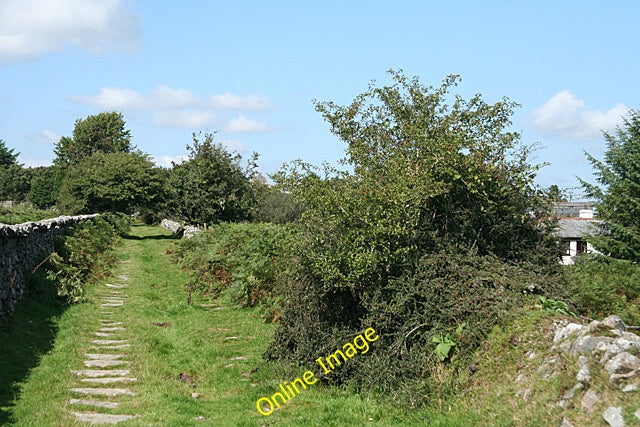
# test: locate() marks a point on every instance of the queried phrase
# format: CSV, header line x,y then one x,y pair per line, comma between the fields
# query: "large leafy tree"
x,y
618,195
104,132
45,182
115,182
14,178
212,186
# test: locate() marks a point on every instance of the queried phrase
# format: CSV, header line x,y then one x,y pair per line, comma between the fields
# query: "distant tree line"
x,y
98,169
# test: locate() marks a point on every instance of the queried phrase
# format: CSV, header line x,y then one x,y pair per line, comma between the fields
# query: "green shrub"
x,y
449,289
277,207
83,254
245,262
604,286
24,212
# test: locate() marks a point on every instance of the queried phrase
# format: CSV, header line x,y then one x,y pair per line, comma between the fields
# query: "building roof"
x,y
570,209
577,228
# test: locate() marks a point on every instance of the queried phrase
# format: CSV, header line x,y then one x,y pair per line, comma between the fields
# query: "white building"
x,y
572,231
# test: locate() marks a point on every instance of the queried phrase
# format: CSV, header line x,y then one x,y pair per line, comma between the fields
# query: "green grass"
x,y
212,351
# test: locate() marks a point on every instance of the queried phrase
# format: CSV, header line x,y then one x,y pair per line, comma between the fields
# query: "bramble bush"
x,y
245,262
436,223
84,254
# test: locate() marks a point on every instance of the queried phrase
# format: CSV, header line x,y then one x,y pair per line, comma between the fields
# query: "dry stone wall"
x,y
22,248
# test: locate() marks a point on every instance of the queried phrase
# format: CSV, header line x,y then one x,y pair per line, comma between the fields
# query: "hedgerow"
x,y
83,254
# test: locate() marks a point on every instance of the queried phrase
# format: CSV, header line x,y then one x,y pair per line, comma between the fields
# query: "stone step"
x,y
108,380
97,403
103,334
107,342
95,418
107,313
110,328
110,323
111,285
112,300
113,347
108,304
101,372
123,277
103,391
99,356
104,363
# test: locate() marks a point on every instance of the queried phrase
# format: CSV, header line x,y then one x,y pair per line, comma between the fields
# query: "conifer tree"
x,y
618,197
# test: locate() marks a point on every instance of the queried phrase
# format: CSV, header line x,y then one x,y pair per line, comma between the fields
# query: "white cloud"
x,y
229,101
242,124
567,117
181,108
163,97
113,98
185,118
167,161
29,28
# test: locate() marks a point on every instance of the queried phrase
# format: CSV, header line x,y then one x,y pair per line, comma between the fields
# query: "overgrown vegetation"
x,y
602,286
438,225
247,263
83,255
24,212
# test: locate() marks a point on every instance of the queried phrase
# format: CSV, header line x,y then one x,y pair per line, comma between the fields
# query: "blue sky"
x,y
249,70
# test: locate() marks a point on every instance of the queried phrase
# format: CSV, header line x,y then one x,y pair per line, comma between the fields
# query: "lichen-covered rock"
x,y
622,363
172,226
614,322
564,332
613,416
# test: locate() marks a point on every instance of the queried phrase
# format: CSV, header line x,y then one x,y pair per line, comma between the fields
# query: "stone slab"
x,y
103,363
108,329
101,372
96,403
93,418
103,391
108,380
108,304
98,356
113,347
103,334
116,286
107,342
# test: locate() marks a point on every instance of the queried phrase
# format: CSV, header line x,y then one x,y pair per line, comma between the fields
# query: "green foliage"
x,y
7,156
104,133
83,255
45,183
445,343
553,306
438,224
604,286
276,206
212,186
246,262
14,182
24,212
619,197
116,182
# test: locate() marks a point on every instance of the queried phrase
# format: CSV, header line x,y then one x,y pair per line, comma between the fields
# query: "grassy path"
x,y
187,365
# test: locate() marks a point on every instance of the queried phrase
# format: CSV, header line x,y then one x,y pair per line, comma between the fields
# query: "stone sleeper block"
x,y
101,372
98,356
104,363
93,418
97,403
108,380
103,391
